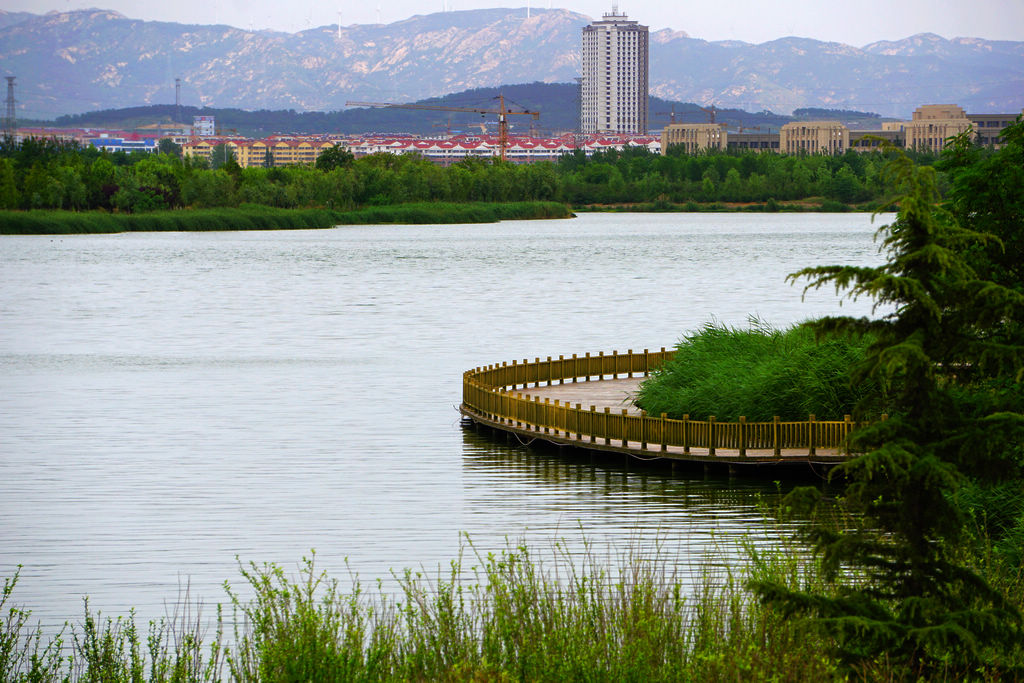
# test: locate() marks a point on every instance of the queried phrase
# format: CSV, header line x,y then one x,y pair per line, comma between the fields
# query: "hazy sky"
x,y
755,21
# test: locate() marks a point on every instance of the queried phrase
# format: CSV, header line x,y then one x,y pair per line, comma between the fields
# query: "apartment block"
x,y
615,73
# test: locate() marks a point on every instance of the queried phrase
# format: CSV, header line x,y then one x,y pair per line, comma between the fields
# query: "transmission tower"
x,y
10,123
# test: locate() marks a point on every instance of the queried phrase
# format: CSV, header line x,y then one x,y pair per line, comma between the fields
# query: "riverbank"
x,y
266,218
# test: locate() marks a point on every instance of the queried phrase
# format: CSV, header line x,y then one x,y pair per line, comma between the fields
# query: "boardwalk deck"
x,y
617,394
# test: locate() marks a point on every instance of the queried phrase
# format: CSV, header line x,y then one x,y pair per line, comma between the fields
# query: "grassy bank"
x,y
264,218
758,373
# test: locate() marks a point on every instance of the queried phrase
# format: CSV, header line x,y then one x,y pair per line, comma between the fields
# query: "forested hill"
x,y
556,102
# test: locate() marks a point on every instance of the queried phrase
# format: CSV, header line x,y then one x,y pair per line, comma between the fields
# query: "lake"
x,y
170,402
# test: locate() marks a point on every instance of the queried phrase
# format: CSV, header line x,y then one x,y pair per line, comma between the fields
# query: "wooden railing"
x,y
499,394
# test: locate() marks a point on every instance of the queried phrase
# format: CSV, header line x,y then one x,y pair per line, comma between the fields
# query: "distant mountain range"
x,y
72,62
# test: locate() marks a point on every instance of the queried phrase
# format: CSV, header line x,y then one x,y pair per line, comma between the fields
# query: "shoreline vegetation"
x,y
506,616
513,615
56,222
98,188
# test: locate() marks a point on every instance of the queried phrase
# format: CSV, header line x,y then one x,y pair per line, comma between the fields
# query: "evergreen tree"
x,y
952,383
986,189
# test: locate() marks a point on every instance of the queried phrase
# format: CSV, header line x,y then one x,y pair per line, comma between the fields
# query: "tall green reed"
x,y
758,372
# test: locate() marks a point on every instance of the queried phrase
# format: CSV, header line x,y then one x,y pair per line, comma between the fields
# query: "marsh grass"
x,y
501,616
252,217
758,372
511,615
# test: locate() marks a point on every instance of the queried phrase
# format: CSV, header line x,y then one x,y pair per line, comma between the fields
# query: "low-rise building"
x,y
987,127
125,144
814,137
754,142
875,140
933,124
695,137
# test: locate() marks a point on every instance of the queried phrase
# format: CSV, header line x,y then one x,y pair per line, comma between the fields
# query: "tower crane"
x,y
502,112
710,111
670,114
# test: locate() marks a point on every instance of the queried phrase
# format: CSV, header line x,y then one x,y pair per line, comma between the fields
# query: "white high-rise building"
x,y
614,83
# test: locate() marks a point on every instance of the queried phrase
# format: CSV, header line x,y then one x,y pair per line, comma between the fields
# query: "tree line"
x,y
48,174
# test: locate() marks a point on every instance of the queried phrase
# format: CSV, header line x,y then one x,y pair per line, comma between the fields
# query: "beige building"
x,y
695,137
249,153
933,124
814,137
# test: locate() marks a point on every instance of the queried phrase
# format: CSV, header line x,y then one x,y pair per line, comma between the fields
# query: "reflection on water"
x,y
700,518
172,401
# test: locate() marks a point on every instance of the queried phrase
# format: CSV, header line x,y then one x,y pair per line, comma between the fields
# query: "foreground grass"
x,y
264,218
510,617
758,373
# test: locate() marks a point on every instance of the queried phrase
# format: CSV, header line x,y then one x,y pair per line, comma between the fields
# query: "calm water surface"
x,y
169,402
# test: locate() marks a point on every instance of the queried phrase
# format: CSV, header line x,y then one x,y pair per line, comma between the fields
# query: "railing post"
x,y
810,435
549,371
622,424
643,432
588,367
664,432
607,417
711,434
593,424
847,428
615,364
647,363
775,437
743,436
561,365
629,363
579,419
515,375
575,369
536,363
600,365
686,434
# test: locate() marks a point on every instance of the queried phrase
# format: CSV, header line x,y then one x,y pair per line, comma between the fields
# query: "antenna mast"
x,y
177,100
10,123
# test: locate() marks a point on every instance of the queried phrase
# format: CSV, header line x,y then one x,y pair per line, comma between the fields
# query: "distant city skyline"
x,y
746,20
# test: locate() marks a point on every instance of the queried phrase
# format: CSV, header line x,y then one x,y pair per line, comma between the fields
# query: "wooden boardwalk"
x,y
617,395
